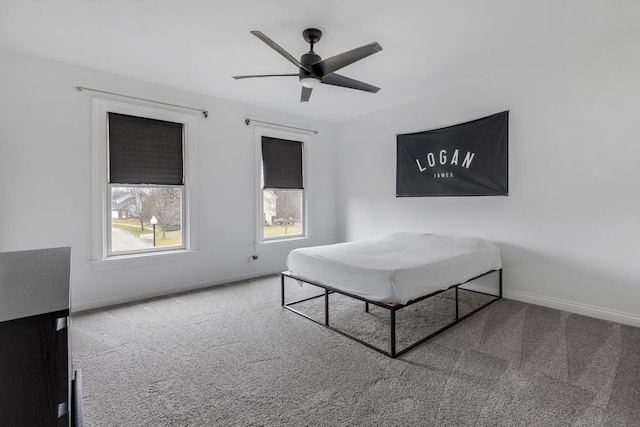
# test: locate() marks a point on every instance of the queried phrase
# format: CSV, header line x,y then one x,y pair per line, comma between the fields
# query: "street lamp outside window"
x,y
153,222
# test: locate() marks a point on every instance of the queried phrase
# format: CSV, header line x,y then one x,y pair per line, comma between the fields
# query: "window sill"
x,y
141,260
293,242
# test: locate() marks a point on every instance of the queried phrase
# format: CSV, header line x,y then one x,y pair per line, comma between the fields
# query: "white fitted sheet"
x,y
396,268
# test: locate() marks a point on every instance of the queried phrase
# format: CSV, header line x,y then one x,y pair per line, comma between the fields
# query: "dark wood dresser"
x,y
37,387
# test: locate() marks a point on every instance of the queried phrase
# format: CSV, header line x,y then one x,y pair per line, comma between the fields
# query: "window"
x,y
141,180
282,193
146,183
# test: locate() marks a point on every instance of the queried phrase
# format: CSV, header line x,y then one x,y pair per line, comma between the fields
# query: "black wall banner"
x,y
468,159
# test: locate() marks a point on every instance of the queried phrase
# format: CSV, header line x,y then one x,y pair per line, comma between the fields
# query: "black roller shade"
x,y
144,151
282,163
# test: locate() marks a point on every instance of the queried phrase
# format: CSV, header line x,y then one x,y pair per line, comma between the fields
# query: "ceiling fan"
x,y
313,70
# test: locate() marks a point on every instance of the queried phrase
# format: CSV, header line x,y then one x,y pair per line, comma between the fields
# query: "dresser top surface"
x,y
34,282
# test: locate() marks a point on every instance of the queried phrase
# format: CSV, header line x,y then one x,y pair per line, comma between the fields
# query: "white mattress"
x,y
398,267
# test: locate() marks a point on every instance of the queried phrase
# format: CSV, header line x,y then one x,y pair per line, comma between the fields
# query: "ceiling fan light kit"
x,y
312,70
310,82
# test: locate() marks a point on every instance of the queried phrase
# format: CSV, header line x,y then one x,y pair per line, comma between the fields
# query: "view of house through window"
x,y
145,218
282,212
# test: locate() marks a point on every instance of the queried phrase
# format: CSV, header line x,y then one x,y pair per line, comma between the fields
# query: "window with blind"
x,y
146,184
283,187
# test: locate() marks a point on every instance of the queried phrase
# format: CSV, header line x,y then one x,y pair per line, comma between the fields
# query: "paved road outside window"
x,y
122,240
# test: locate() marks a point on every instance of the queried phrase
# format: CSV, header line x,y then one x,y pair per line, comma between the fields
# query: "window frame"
x,y
299,136
101,209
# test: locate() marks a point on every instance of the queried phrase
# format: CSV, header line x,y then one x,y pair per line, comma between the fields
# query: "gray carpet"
x,y
231,356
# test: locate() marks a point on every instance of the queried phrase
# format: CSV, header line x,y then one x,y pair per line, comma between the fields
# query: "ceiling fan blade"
x,y
342,81
265,75
306,94
280,50
341,60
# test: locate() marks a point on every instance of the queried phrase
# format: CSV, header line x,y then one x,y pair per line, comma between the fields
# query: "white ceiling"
x,y
428,45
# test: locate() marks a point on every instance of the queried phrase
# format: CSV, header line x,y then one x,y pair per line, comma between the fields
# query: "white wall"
x,y
45,176
570,229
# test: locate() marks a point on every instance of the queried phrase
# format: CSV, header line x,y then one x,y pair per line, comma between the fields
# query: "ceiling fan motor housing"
x,y
308,59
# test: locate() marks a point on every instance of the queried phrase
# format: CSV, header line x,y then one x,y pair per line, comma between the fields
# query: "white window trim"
x,y
100,196
304,137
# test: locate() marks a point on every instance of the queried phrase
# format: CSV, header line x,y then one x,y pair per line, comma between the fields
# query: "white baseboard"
x,y
572,307
152,293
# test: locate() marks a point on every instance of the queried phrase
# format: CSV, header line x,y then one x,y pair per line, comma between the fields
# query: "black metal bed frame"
x,y
393,308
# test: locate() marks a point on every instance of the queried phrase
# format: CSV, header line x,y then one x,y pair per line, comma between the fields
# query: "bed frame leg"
x,y
366,306
500,283
282,288
326,307
457,315
393,332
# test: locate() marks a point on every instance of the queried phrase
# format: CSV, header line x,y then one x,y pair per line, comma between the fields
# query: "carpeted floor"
x,y
232,356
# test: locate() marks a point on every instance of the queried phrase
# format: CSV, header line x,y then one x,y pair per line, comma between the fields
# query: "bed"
x,y
393,272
